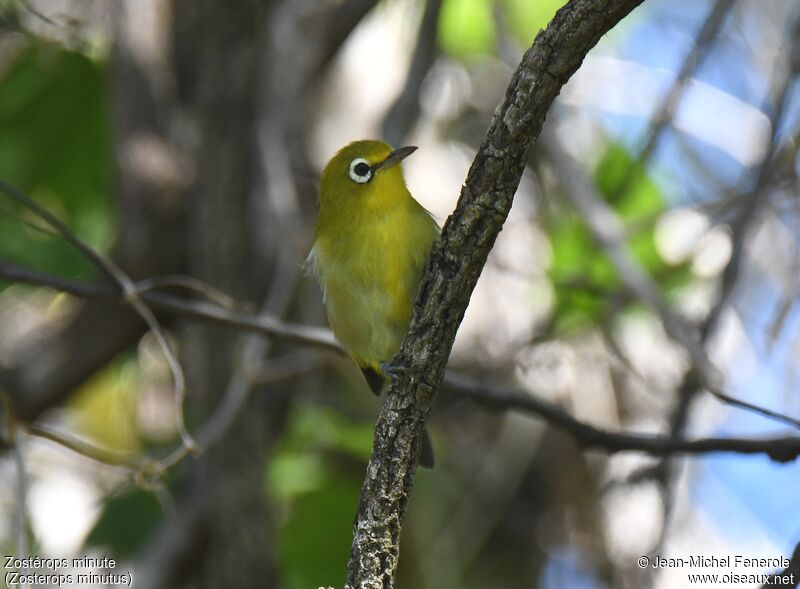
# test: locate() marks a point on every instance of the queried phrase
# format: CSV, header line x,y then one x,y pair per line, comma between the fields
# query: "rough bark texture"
x,y
453,269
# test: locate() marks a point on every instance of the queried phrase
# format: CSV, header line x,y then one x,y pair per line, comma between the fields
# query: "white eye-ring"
x,y
360,170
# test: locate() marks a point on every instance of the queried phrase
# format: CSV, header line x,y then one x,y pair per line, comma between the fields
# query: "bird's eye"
x,y
360,170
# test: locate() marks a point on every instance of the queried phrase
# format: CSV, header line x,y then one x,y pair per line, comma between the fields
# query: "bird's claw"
x,y
391,370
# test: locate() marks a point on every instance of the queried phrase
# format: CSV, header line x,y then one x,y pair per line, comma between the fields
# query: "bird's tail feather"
x,y
426,458
374,379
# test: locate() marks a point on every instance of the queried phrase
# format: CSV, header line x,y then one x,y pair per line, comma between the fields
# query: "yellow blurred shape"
x,y
104,409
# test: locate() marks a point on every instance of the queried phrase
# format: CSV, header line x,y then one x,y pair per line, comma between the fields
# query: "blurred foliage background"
x,y
186,138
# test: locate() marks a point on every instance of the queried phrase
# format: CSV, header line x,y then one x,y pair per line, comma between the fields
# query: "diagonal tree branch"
x,y
455,263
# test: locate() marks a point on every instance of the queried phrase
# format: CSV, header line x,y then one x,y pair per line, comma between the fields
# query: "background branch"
x,y
129,292
780,449
405,109
669,105
608,230
487,394
264,323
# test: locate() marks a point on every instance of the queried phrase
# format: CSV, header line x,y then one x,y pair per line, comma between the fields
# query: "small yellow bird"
x,y
370,245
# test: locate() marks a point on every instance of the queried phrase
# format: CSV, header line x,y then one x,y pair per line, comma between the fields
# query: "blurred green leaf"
x,y
525,18
127,522
466,28
299,465
55,146
314,543
318,496
585,281
314,428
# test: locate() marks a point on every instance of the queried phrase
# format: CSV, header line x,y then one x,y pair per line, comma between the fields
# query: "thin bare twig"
x,y
405,109
9,210
289,365
178,379
754,201
16,273
317,337
38,14
189,283
609,232
753,408
146,468
789,298
143,470
98,454
666,110
263,323
129,292
780,449
740,227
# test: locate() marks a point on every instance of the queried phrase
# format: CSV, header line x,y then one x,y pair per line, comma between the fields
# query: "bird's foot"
x,y
391,370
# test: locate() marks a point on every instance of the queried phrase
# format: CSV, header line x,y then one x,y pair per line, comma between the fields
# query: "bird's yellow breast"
x,y
369,262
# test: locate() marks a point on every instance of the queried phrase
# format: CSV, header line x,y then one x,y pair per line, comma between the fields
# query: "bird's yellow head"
x,y
361,175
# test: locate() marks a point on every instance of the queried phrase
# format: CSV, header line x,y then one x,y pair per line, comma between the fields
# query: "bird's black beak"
x,y
396,157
